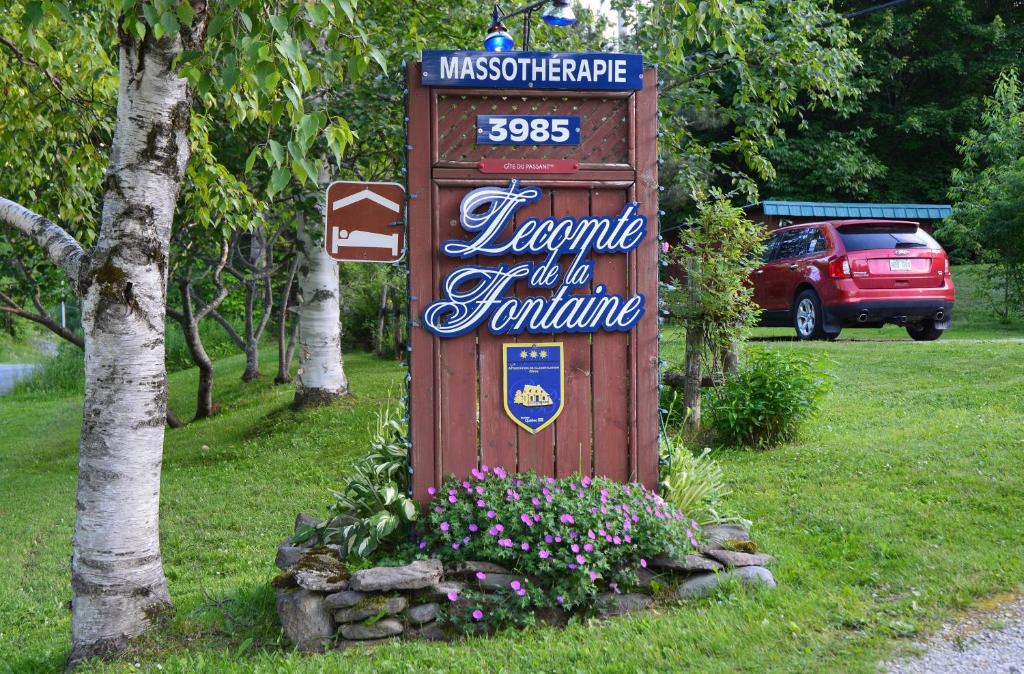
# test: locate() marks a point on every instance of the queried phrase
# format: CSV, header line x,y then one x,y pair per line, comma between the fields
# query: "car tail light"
x,y
839,268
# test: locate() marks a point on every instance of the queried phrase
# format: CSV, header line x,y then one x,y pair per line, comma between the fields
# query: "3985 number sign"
x,y
527,130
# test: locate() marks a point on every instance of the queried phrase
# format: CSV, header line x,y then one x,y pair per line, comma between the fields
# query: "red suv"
x,y
820,277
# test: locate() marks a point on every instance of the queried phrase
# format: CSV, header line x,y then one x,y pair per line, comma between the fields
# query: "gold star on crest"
x,y
543,354
522,354
533,354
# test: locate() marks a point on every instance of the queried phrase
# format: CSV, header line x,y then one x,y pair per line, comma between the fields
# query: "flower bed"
x,y
502,550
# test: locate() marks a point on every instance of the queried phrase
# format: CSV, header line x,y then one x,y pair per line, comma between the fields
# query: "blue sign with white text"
x,y
533,70
533,375
527,130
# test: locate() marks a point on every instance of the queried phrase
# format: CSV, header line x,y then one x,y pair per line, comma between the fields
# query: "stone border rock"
x,y
322,606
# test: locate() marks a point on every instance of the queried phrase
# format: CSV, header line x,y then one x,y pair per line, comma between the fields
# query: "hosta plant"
x,y
372,509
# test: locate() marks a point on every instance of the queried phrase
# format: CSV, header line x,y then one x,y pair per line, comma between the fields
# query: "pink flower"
x,y
589,547
527,520
575,548
643,563
521,592
484,468
543,554
591,535
566,519
480,575
431,491
548,539
593,575
423,545
500,472
525,547
505,542
515,585
453,596
478,614
586,480
445,526
491,514
628,538
664,246
480,503
455,546
452,499
473,527
465,485
580,559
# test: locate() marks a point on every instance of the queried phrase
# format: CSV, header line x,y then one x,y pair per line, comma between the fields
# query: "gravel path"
x,y
988,640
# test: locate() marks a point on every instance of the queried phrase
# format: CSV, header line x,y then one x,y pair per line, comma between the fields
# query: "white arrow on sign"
x,y
366,194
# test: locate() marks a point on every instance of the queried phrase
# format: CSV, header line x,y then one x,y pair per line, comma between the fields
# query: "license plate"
x,y
899,265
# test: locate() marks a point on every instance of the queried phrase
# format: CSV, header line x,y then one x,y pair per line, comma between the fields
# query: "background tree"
x,y
988,195
927,67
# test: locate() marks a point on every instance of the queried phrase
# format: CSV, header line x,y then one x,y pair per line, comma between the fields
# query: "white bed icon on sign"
x,y
365,222
359,239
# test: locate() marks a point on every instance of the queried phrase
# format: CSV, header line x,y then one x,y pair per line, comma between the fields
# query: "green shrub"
x,y
216,341
766,402
371,510
64,374
573,537
692,483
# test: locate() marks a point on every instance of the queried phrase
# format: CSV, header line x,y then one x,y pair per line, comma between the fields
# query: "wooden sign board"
x,y
533,295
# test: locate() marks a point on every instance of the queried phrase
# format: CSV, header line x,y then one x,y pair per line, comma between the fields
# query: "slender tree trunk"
x,y
382,316
731,357
321,371
286,345
694,352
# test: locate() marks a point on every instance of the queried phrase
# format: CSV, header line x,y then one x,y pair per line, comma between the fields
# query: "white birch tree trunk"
x,y
321,371
117,579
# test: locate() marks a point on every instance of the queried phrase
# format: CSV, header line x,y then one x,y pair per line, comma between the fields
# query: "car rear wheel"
x,y
807,316
925,331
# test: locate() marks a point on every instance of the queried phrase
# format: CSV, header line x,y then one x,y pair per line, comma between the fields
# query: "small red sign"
x,y
365,222
529,166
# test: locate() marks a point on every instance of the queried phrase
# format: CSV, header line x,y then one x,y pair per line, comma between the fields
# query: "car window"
x,y
792,244
815,242
770,247
886,237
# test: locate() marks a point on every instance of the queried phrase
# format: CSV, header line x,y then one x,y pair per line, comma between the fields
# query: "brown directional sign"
x,y
365,222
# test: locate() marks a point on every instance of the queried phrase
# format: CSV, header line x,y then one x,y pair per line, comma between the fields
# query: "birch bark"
x,y
321,374
117,579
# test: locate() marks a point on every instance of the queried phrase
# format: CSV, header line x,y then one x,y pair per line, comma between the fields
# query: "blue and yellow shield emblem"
x,y
533,375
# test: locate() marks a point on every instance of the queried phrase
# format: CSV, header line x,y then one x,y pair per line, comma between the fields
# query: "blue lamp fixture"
x,y
556,13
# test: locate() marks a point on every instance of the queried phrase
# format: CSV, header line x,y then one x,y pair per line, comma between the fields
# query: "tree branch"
x,y
60,247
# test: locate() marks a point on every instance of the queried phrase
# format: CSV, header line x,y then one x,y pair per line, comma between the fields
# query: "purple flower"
x,y
643,563
515,585
590,534
575,548
438,509
431,491
473,527
478,614
452,498
558,539
491,514
465,539
593,575
535,501
465,485
453,596
445,526
580,559
480,575
616,540
536,518
521,592
477,474
628,538
589,547
480,503
423,545
527,520
455,546
572,567
479,490
548,539
500,472
525,547
567,519
505,542
586,481
560,599
543,554
493,531
484,468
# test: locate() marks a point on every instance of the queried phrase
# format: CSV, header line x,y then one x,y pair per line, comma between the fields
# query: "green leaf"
x,y
279,179
152,17
169,23
185,12
33,15
277,150
246,21
279,23
251,161
217,24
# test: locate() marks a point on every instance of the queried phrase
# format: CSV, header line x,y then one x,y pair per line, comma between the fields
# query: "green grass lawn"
x,y
899,506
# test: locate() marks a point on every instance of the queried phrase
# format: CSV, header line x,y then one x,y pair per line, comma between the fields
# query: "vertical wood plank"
x,y
458,357
536,450
610,355
420,242
645,275
573,428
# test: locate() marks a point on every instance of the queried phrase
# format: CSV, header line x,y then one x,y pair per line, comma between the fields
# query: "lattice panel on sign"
x,y
604,129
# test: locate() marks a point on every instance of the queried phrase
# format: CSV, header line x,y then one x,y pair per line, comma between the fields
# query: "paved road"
x,y
11,374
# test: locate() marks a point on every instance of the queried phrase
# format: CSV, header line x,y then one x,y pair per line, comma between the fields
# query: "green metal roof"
x,y
819,209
